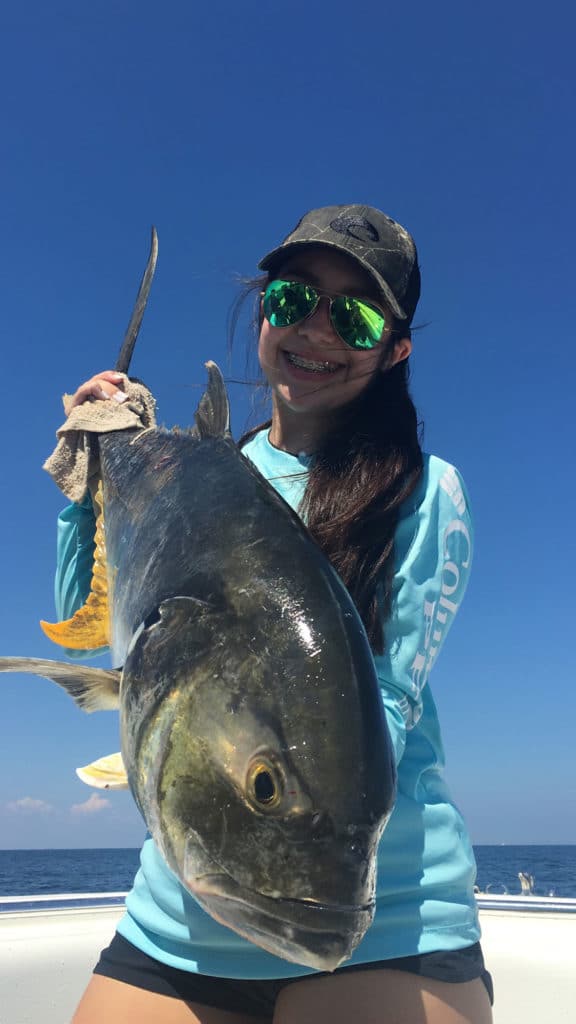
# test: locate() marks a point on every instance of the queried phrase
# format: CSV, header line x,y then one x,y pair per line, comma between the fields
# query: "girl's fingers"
x,y
103,386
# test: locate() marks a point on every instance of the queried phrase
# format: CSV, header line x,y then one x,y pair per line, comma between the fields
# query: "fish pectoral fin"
x,y
105,773
93,689
89,627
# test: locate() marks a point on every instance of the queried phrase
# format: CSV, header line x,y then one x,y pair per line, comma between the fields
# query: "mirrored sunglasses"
x,y
358,323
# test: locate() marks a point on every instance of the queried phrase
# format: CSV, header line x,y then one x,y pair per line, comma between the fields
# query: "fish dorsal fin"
x,y
105,773
93,689
89,627
213,413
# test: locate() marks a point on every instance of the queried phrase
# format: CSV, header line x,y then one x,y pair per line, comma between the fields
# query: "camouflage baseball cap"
x,y
380,245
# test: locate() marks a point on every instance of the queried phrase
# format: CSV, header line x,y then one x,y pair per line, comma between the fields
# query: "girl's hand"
x,y
105,385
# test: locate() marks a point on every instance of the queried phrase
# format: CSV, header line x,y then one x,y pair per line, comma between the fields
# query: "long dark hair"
x,y
364,468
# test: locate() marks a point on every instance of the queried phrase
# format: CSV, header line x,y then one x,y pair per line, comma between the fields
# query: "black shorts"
x,y
123,962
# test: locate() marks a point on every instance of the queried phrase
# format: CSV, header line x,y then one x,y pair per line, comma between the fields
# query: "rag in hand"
x,y
74,463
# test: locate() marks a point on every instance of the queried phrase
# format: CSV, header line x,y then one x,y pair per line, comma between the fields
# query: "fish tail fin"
x,y
213,414
89,627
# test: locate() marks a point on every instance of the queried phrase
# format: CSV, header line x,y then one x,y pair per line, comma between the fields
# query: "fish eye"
x,y
264,784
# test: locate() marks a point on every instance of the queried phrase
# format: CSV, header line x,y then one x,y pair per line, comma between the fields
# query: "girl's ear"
x,y
401,350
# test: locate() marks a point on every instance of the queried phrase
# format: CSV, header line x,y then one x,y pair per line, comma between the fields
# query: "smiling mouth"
x,y
311,365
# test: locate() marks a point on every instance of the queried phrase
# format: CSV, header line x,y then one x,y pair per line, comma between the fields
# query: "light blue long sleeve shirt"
x,y
426,870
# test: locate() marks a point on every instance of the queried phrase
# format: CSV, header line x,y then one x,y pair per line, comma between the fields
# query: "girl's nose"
x,y
319,325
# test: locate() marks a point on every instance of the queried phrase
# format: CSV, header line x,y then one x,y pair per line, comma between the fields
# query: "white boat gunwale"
x,y
529,945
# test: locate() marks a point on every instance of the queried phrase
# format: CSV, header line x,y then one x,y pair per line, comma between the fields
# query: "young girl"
x,y
342,448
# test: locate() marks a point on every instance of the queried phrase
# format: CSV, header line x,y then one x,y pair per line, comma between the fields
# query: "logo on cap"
x,y
356,227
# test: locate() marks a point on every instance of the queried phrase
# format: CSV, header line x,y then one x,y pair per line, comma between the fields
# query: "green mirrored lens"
x,y
358,324
288,302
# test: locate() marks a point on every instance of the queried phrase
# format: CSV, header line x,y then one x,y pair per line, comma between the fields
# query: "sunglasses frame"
x,y
331,296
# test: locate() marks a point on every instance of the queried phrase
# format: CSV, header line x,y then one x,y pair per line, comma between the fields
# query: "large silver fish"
x,y
252,729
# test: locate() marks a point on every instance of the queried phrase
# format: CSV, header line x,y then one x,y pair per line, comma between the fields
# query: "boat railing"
x,y
49,902
524,903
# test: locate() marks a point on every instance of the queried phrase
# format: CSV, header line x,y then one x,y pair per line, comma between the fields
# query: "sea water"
x,y
37,872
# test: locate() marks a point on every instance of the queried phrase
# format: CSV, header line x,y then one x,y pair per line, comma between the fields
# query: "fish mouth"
x,y
304,931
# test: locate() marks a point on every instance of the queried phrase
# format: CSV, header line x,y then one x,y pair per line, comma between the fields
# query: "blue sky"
x,y
222,125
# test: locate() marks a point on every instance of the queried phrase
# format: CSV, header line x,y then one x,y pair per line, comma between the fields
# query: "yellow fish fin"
x,y
89,627
105,773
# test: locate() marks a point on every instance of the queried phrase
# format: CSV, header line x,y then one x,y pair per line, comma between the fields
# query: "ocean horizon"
x,y
112,869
